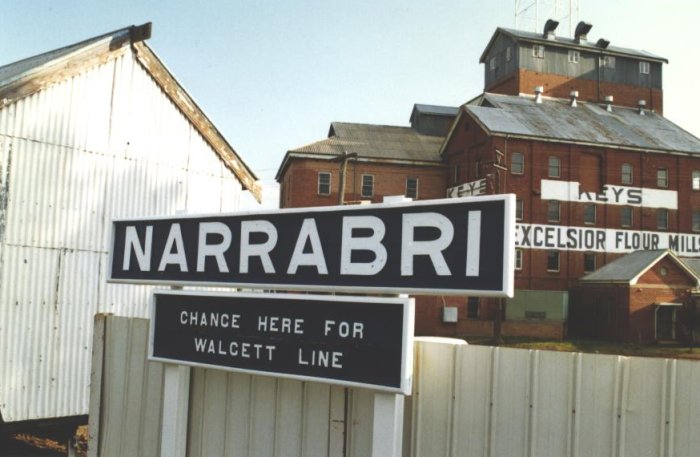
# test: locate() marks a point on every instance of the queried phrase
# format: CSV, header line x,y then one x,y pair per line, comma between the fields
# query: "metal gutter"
x,y
196,116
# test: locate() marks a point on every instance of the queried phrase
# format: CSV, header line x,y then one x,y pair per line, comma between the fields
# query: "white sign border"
x,y
508,260
408,305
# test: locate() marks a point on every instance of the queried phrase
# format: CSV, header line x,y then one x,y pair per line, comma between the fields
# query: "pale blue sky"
x,y
272,75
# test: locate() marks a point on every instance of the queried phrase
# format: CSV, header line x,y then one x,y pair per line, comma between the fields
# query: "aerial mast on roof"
x,y
530,15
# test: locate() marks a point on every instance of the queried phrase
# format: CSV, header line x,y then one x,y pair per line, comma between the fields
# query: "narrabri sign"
x,y
458,246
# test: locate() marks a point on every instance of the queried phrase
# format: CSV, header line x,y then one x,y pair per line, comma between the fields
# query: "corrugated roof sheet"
x,y
522,35
627,267
693,263
554,119
376,142
436,109
23,78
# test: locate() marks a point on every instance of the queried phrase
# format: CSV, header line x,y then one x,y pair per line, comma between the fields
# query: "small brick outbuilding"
x,y
643,297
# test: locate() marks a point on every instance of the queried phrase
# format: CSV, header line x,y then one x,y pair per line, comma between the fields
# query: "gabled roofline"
x,y
678,262
101,49
522,136
360,159
196,116
651,263
561,44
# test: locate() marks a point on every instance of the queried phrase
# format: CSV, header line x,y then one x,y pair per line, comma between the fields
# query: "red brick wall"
x,y
559,86
627,313
592,166
299,182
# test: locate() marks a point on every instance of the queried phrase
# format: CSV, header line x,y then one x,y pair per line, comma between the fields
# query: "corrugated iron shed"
x,y
88,133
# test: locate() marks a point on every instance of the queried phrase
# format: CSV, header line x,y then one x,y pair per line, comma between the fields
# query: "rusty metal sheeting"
x,y
376,141
588,123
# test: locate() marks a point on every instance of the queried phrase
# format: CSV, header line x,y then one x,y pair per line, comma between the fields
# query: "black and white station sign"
x,y
354,341
456,246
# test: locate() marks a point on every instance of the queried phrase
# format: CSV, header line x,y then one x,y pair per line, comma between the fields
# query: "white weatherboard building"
x,y
90,132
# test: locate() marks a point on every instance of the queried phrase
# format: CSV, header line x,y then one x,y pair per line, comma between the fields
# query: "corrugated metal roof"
x,y
554,119
521,35
13,71
21,79
628,267
376,142
435,109
693,263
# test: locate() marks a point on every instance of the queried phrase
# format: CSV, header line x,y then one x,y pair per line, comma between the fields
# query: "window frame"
x,y
695,180
662,182
415,180
695,221
554,162
626,210
509,53
595,215
609,62
362,186
644,67
574,56
662,222
521,163
551,253
627,178
519,209
538,51
550,209
589,256
492,63
318,182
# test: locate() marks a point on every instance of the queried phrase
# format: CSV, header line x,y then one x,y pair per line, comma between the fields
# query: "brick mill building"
x,y
574,129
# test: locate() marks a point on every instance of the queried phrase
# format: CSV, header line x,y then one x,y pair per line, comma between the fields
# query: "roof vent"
x,y
602,43
538,94
573,95
608,103
582,29
641,104
549,27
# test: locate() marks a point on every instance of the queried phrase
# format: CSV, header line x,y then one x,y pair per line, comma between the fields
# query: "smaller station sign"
x,y
352,341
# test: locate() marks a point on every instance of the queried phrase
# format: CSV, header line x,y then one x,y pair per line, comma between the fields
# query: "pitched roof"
x,y
570,43
28,76
588,123
382,143
435,110
628,268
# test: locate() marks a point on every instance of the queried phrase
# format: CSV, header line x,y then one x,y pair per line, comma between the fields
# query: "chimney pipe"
x,y
549,27
641,104
573,95
538,94
581,33
608,103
